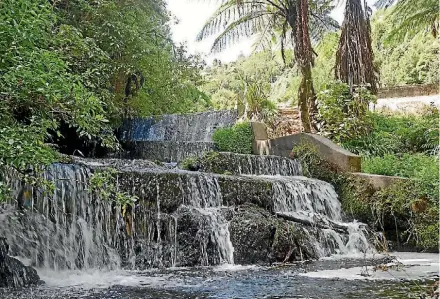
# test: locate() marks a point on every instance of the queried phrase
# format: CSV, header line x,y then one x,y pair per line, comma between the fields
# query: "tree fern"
x,y
412,16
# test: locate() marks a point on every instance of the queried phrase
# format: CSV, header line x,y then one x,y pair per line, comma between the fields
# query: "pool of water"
x,y
408,276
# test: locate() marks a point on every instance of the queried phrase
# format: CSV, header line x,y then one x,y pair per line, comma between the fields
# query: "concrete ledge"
x,y
259,130
328,150
166,151
379,181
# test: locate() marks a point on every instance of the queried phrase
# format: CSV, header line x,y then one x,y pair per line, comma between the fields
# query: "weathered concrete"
x,y
328,150
379,181
259,131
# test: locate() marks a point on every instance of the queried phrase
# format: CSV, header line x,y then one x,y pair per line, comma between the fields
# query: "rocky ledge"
x,y
13,273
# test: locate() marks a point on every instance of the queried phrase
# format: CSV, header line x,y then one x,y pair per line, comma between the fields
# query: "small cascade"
x,y
178,127
173,137
316,203
243,164
205,196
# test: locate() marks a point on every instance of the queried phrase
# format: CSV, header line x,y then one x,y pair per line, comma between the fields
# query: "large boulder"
x,y
260,237
13,273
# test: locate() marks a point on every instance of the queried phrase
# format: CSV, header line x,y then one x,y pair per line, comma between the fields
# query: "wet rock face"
x,y
260,237
252,233
13,273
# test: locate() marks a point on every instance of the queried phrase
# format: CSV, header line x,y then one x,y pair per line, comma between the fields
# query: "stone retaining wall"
x,y
408,91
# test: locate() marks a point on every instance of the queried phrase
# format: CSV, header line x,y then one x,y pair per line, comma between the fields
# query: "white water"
x,y
407,266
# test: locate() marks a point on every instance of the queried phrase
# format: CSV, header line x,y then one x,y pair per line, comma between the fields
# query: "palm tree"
x,y
412,16
354,57
287,20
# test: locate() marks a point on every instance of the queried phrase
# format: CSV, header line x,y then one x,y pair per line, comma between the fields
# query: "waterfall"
x,y
182,218
66,228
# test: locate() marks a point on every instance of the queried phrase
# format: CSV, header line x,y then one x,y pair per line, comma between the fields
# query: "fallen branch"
x,y
330,225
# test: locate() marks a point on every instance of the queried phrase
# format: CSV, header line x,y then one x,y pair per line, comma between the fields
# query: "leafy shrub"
x,y
236,139
255,101
422,169
343,115
405,165
104,184
22,150
398,134
190,163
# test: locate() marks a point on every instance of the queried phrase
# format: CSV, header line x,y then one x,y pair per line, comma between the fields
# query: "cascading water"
x,y
242,164
70,228
197,127
173,137
316,203
264,211
181,217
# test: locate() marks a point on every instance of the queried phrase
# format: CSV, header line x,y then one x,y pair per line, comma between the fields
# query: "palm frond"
x,y
413,16
235,19
230,11
245,26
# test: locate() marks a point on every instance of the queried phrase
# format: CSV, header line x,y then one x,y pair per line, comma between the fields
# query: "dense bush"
x,y
410,59
70,73
391,134
342,114
236,139
407,211
405,165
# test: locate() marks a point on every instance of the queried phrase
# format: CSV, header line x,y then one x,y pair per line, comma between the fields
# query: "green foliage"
x,y
405,165
412,59
405,208
22,151
412,16
189,163
104,184
84,65
255,102
36,84
343,115
422,169
236,139
392,134
225,83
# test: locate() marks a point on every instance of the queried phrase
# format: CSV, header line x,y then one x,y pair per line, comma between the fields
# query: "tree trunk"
x,y
304,58
354,56
305,97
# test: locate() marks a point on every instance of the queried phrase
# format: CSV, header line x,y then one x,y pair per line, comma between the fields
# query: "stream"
x,y
327,278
